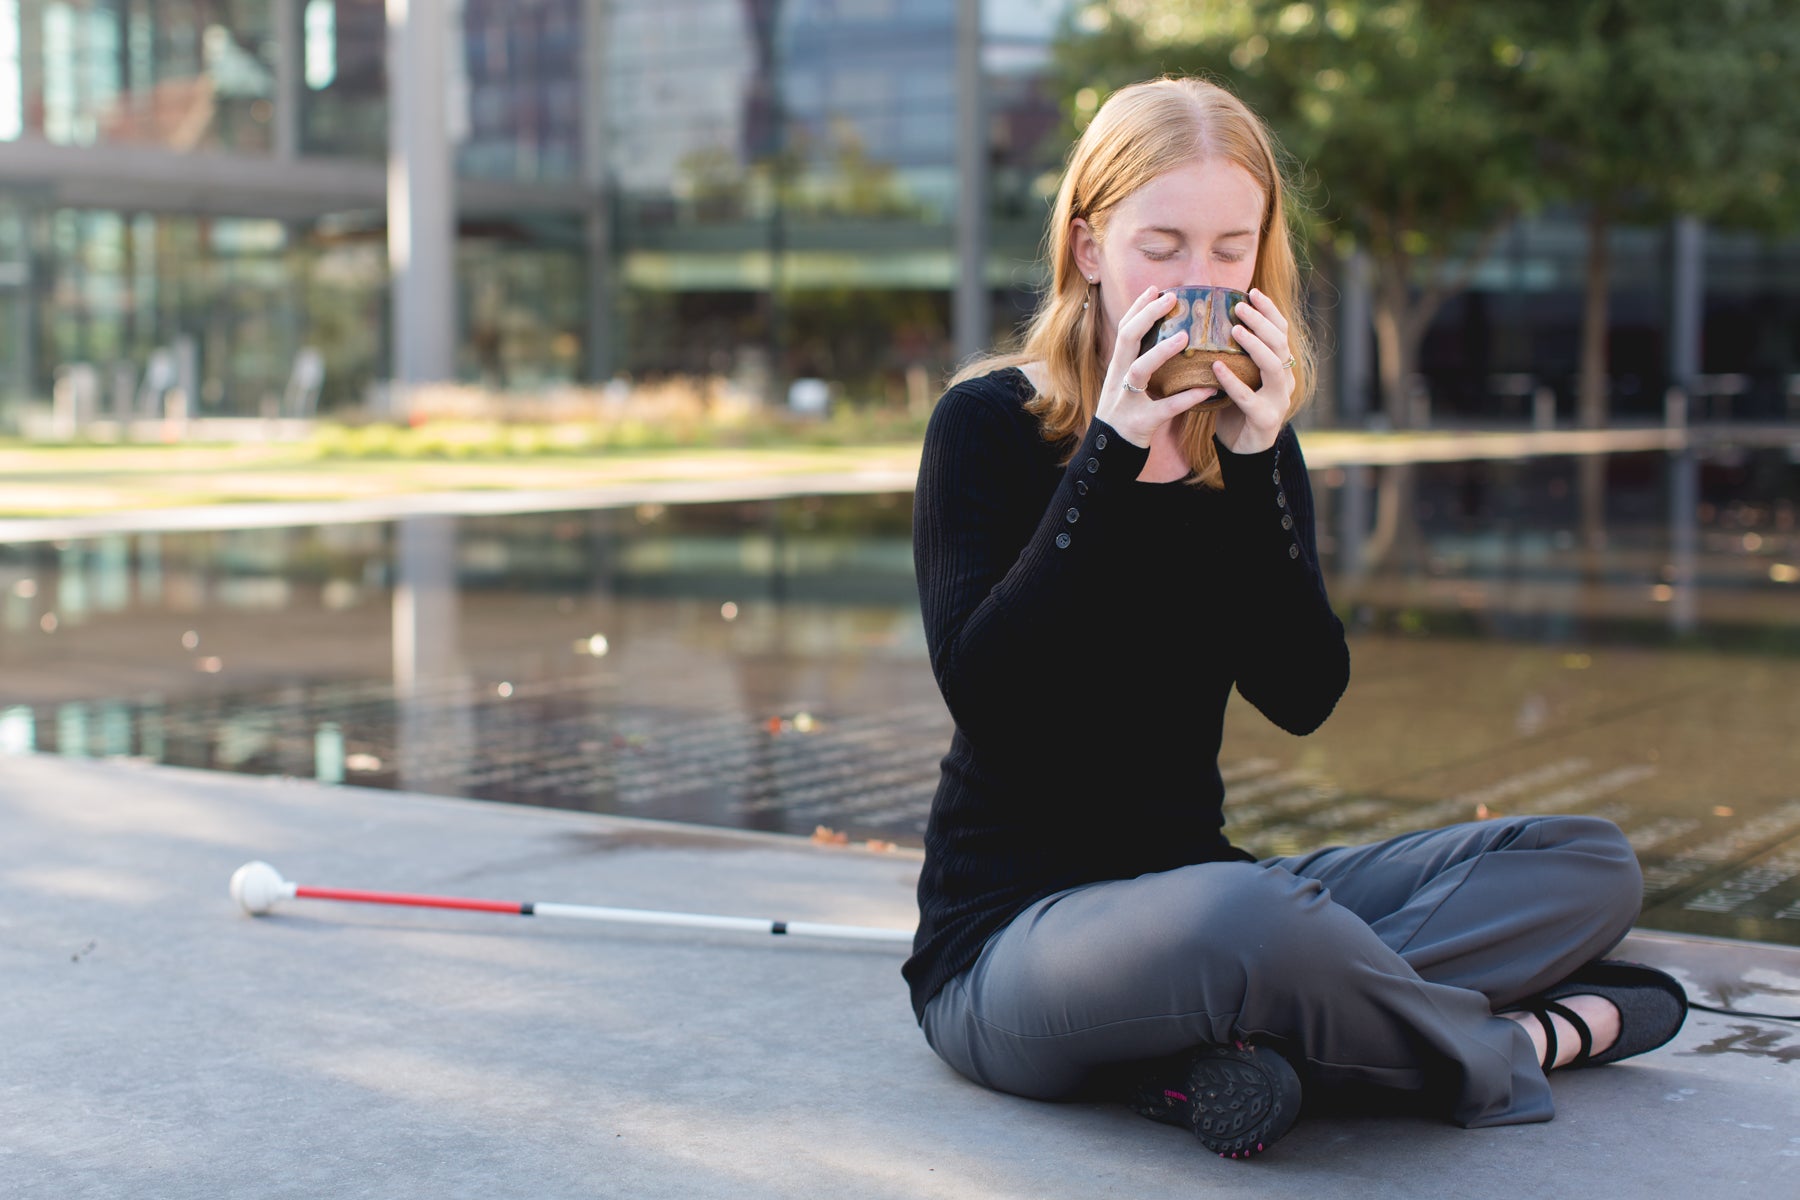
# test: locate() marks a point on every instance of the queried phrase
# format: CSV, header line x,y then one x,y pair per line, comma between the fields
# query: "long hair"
x,y
1141,132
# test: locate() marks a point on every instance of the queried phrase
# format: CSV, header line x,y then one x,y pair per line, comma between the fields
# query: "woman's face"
x,y
1195,224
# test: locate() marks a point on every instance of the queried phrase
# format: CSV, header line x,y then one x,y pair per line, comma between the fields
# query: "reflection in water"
x,y
761,664
1755,1041
328,753
1644,548
1684,540
433,731
18,730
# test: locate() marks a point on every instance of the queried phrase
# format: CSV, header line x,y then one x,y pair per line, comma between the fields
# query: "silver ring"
x,y
1289,364
1130,386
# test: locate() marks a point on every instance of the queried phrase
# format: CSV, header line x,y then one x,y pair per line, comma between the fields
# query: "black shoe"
x,y
1238,1100
1652,1006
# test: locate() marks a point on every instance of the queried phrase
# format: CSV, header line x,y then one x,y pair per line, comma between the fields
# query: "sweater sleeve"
x,y
999,566
1294,664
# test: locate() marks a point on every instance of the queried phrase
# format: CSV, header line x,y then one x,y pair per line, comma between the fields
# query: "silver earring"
x,y
1084,303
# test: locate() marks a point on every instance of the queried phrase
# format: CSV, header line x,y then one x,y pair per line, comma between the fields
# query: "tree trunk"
x,y
1390,371
1592,398
1396,518
1400,324
1323,283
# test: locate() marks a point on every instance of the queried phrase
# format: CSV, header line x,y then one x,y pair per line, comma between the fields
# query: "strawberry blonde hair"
x,y
1141,132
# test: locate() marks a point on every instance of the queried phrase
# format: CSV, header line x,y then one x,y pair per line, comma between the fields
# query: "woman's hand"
x,y
1253,419
1123,402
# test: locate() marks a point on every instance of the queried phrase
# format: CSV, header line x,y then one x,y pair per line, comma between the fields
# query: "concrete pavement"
x,y
159,1043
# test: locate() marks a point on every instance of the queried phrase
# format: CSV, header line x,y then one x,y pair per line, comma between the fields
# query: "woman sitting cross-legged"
x,y
1098,566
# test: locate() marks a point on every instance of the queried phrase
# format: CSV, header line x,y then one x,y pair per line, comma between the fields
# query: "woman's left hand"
x,y
1251,422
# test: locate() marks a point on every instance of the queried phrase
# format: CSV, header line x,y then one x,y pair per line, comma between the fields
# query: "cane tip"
x,y
256,886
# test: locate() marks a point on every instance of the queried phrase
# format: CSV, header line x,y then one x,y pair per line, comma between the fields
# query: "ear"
x,y
1085,247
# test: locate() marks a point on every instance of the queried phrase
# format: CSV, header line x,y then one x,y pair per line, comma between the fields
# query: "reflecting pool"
x,y
1617,635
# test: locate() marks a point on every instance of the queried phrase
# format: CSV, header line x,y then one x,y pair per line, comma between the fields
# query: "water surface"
x,y
1615,635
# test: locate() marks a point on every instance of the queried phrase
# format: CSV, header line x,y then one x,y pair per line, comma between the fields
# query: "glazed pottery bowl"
x,y
1206,314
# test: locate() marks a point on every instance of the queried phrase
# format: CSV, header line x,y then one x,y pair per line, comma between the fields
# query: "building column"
x,y
290,41
21,323
601,297
1687,300
971,318
31,71
420,199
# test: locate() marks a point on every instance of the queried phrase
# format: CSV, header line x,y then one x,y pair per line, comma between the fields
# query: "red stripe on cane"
x,y
499,906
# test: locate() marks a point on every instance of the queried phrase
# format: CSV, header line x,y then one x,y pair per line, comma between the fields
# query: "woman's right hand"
x,y
1123,402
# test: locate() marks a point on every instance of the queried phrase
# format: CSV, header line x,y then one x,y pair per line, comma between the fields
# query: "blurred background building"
x,y
203,198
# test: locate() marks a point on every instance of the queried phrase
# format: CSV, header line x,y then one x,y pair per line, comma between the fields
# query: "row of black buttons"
x,y
1287,520
1091,466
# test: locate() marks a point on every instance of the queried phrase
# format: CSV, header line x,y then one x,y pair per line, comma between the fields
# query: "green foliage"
x,y
1391,121
1394,120
1646,109
1415,125
1418,121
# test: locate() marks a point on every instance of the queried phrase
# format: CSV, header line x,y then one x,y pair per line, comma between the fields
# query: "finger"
x,y
1259,352
1232,386
1258,322
1267,307
1151,361
1145,312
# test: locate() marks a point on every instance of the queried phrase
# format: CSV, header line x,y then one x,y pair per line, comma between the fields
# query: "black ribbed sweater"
x,y
1086,630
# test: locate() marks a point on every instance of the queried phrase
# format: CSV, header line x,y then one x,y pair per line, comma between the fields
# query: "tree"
x,y
1644,110
1408,138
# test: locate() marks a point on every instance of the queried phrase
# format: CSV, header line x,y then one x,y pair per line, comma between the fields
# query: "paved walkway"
x,y
159,1043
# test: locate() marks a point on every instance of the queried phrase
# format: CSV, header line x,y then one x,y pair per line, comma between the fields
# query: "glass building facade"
x,y
197,187
194,192
784,183
761,189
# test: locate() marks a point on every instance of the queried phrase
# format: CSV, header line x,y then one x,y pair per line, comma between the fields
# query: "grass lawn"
x,y
371,462
44,481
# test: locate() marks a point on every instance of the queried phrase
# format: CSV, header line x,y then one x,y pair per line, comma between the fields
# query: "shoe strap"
x,y
1580,1026
1543,1018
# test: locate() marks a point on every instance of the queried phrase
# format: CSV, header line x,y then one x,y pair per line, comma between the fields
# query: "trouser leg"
x,y
1504,907
1139,968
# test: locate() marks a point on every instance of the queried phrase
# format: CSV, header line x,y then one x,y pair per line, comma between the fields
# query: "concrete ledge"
x,y
158,1043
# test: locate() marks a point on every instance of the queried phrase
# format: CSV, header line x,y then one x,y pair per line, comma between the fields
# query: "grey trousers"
x,y
1379,964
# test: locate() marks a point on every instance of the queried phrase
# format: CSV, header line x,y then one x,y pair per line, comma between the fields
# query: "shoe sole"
x,y
1243,1100
1239,1101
